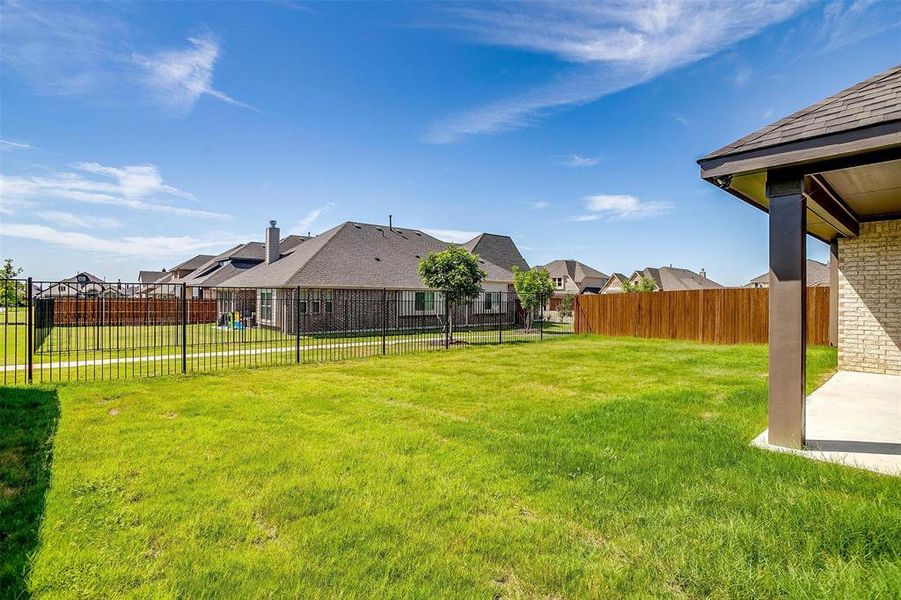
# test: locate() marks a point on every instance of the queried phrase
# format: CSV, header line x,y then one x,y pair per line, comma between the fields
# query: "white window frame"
x,y
270,306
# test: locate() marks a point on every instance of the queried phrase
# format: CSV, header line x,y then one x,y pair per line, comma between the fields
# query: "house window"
x,y
266,305
424,302
327,297
316,302
491,302
558,283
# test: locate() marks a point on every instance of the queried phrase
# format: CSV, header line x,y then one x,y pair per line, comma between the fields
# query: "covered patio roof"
x,y
847,146
823,171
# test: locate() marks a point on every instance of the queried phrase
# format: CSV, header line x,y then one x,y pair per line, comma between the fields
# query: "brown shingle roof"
x,y
673,278
355,255
817,274
497,249
871,102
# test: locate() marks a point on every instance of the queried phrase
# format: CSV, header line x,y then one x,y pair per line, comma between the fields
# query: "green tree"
x,y
566,305
455,271
533,287
13,293
644,284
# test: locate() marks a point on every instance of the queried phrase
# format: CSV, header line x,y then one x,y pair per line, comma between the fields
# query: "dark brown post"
x,y
29,331
788,308
833,293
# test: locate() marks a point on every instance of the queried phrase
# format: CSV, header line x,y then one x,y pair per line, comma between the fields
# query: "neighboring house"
x,y
82,285
670,279
614,284
817,276
354,261
572,277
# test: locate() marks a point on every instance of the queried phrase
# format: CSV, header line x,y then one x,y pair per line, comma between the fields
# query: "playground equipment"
x,y
232,320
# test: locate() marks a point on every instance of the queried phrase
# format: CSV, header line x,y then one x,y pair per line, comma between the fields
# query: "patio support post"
x,y
787,308
833,293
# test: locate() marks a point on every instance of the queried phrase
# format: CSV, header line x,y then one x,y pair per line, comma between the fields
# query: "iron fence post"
x,y
297,326
447,323
541,321
184,328
29,334
384,318
500,319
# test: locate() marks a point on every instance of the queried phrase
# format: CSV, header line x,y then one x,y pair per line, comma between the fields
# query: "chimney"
x,y
703,273
272,252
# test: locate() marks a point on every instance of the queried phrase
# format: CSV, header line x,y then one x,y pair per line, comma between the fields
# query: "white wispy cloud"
x,y
145,247
849,21
304,224
575,161
11,145
456,236
59,217
67,48
180,77
621,207
539,205
608,46
128,187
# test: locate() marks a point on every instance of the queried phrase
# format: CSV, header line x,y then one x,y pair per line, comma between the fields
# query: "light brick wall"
x,y
869,299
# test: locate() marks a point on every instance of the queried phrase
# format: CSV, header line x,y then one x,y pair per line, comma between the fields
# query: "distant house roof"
x,y
151,276
817,275
356,255
222,267
673,278
870,102
192,263
497,249
583,275
80,284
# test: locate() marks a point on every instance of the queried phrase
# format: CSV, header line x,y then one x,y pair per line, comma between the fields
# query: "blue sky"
x,y
135,135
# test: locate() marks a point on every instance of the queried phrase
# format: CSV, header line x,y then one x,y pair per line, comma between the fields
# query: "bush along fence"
x,y
62,331
720,316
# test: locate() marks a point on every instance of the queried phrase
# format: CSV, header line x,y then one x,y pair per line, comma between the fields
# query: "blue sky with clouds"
x,y
135,135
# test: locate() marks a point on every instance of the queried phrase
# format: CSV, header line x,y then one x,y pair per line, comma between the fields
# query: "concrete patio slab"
x,y
853,419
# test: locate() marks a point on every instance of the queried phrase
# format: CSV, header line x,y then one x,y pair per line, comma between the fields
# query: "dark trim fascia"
x,y
802,152
833,209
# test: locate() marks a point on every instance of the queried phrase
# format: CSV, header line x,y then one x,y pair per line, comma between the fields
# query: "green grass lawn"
x,y
582,467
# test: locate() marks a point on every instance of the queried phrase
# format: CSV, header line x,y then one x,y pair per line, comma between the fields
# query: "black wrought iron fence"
x,y
63,331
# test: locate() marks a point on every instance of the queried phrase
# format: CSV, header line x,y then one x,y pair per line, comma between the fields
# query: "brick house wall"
x,y
869,313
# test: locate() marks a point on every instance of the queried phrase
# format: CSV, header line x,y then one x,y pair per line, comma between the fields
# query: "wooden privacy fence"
x,y
721,316
128,311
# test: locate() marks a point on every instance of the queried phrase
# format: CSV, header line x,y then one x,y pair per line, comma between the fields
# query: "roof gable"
x,y
497,249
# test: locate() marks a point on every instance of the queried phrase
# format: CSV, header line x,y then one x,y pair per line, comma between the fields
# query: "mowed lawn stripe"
x,y
578,467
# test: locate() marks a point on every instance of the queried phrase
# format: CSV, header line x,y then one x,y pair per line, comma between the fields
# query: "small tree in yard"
x,y
455,271
644,284
13,292
566,305
533,287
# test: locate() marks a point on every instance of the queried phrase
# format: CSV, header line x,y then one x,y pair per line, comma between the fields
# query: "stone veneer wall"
x,y
869,299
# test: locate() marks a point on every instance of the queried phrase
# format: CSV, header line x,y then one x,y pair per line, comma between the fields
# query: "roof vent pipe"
x,y
703,273
390,225
272,250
